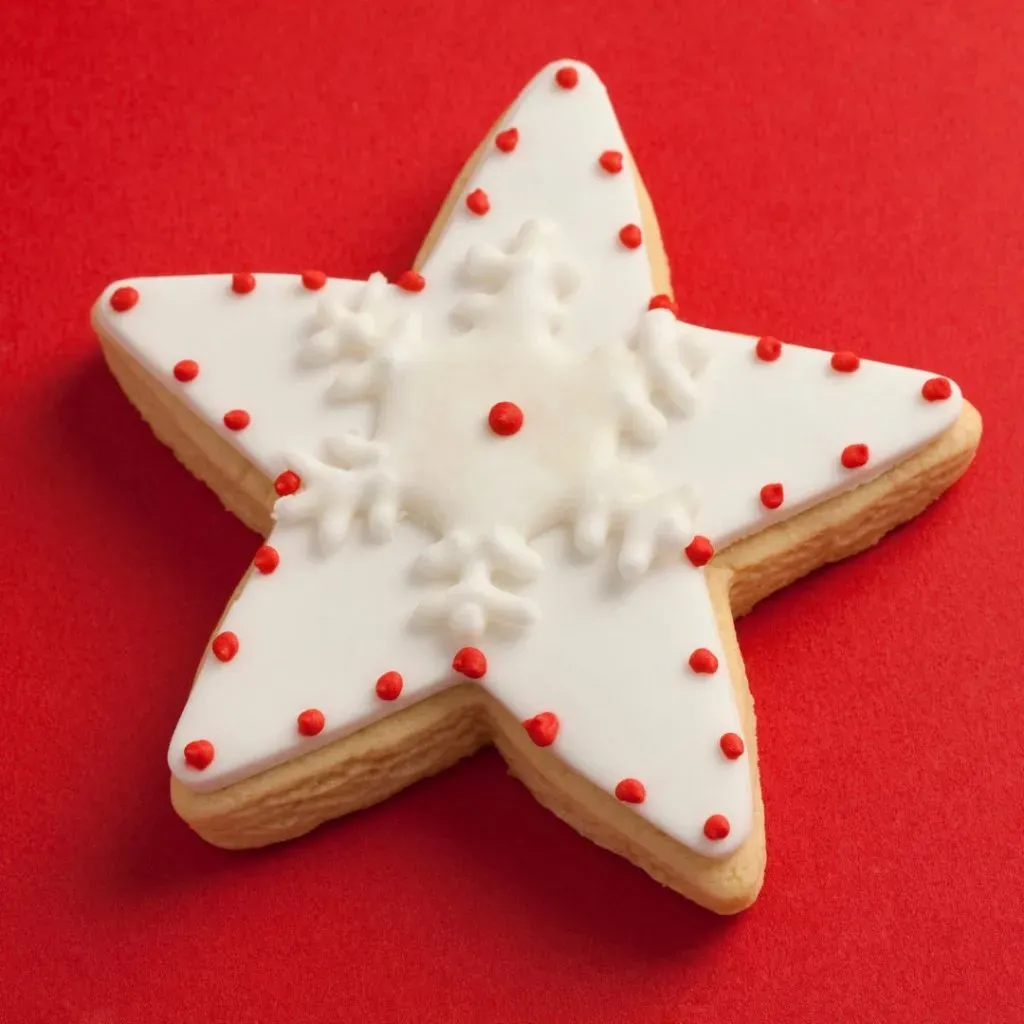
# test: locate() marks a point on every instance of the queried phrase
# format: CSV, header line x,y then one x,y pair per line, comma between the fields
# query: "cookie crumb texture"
x,y
560,325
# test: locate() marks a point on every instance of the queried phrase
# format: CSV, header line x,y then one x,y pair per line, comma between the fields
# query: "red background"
x,y
840,174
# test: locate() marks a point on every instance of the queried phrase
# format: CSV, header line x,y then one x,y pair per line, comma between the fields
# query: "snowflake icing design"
x,y
570,455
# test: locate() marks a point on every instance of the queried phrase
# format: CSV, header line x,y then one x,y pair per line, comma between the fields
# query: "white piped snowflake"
x,y
486,496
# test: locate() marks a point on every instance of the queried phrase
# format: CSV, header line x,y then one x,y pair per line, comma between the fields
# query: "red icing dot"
x,y
287,483
237,419
410,281
389,686
768,349
507,140
186,370
771,495
242,284
470,662
845,362
663,302
716,827
567,78
199,754
314,280
311,722
477,202
224,646
122,299
611,161
630,236
542,728
703,661
630,791
699,551
266,559
505,419
732,745
938,389
855,455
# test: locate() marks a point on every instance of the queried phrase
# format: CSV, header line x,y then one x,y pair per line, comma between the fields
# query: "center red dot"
x,y
505,419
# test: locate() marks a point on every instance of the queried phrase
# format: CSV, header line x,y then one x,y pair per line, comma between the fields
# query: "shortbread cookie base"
x,y
385,757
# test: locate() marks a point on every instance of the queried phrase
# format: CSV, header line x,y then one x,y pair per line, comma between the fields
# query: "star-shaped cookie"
x,y
510,496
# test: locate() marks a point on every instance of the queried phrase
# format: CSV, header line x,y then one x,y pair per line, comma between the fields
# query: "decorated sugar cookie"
x,y
510,497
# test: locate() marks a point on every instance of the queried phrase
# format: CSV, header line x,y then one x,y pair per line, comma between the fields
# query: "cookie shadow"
x,y
133,496
480,820
128,477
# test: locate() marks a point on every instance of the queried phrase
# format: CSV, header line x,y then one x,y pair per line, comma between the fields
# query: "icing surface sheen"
x,y
555,547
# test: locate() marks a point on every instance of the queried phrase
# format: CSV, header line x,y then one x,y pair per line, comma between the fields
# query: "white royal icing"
x,y
487,496
417,528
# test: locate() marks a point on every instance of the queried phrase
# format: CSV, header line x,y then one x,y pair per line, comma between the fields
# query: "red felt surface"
x,y
840,174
